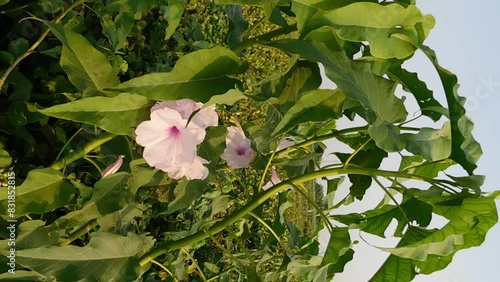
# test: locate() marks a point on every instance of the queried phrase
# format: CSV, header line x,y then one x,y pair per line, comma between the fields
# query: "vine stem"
x,y
80,232
265,195
80,153
334,134
264,38
37,42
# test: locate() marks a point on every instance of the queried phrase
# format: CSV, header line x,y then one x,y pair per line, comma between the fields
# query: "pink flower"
x,y
194,170
185,107
167,140
238,152
273,181
285,143
114,167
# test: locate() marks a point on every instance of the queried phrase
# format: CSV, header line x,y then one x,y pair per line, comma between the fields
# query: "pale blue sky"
x,y
466,41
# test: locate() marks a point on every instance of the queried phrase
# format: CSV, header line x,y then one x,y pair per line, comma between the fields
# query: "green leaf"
x,y
287,87
465,150
213,146
198,75
386,136
5,159
338,245
401,269
248,2
237,25
43,190
185,193
315,105
411,83
18,46
432,144
21,275
357,82
87,68
32,234
415,165
118,29
229,98
305,10
131,6
370,158
107,257
110,194
467,228
392,30
118,115
3,2
173,14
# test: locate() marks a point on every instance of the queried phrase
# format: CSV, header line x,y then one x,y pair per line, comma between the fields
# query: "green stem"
x,y
80,153
334,134
265,195
35,45
264,38
80,232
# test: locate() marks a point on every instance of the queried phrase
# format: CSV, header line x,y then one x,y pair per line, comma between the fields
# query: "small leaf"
x,y
315,105
237,25
18,46
432,144
185,193
5,159
173,14
229,98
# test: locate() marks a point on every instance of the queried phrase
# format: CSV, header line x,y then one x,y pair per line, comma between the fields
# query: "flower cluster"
x,y
170,141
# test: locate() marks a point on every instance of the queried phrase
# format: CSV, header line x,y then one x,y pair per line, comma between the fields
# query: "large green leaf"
x,y
392,30
399,269
467,228
305,10
411,83
32,234
432,144
173,14
416,166
43,190
22,275
118,115
86,67
357,82
107,257
198,75
464,148
229,98
110,194
315,105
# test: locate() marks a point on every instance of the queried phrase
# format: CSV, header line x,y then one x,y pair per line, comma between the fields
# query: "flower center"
x,y
173,132
241,151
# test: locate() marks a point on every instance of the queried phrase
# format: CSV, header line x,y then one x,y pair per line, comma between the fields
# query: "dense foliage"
x,y
84,199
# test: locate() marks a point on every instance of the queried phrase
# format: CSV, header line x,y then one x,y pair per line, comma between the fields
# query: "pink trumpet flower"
x,y
185,107
273,181
238,152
